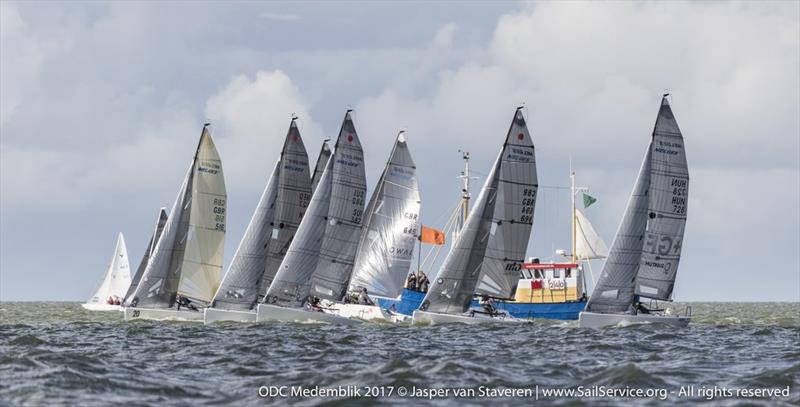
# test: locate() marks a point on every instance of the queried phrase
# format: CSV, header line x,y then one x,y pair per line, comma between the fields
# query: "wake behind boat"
x,y
644,257
109,295
183,272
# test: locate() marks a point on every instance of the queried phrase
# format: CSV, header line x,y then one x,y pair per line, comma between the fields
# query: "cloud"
x,y
281,17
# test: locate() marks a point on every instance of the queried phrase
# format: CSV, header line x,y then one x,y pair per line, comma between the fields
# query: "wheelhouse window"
x,y
556,273
568,273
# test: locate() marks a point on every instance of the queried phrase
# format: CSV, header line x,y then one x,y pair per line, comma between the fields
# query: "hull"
x,y
167,314
433,318
101,307
411,300
372,313
267,313
211,315
595,320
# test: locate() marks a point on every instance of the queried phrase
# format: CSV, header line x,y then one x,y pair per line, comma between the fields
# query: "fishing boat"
x,y
493,239
110,293
320,258
386,245
267,237
644,257
183,272
151,244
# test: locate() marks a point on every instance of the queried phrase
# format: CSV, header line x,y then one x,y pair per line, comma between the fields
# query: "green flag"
x,y
588,200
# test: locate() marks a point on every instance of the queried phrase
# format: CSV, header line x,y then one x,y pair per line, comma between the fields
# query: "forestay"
x,y
391,220
160,222
117,277
513,213
340,241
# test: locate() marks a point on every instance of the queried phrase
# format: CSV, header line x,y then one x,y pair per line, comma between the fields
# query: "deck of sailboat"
x,y
101,307
211,315
470,318
598,320
163,314
274,313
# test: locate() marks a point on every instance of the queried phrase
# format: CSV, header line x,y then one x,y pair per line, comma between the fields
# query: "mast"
x,y
465,195
572,194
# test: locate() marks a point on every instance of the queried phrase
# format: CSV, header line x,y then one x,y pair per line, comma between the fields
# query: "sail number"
x,y
304,198
358,197
679,193
528,200
219,214
411,227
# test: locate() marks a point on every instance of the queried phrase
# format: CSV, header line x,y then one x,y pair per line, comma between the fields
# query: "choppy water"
x,y
57,353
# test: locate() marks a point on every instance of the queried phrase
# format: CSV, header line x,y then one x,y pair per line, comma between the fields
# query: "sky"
x,y
101,105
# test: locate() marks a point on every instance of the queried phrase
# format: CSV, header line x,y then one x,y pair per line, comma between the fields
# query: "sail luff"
x,y
667,209
160,222
512,219
391,223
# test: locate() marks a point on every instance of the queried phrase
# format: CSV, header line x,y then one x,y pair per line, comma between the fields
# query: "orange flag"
x,y
431,236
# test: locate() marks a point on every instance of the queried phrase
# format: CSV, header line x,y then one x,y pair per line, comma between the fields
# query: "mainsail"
x,y
668,192
588,244
513,213
653,224
188,257
390,227
293,197
312,244
454,287
340,241
117,277
322,161
148,251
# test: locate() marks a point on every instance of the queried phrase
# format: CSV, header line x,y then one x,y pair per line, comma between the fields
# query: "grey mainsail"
x,y
653,213
513,213
192,239
239,287
293,197
292,282
322,161
340,241
668,192
390,227
454,287
148,251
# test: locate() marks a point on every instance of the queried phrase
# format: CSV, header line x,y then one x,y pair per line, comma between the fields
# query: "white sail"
x,y
148,251
117,278
588,244
322,161
202,262
391,223
192,239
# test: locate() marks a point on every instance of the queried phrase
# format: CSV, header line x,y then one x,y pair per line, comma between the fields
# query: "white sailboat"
x,y
185,266
493,239
267,236
386,245
644,257
320,257
111,291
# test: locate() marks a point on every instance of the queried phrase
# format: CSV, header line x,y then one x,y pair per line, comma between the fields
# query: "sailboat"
x,y
267,236
160,222
386,245
111,291
184,268
320,257
644,257
502,214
